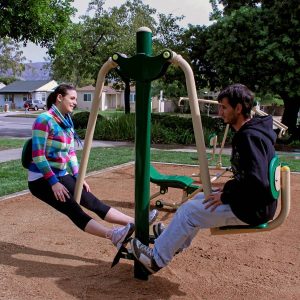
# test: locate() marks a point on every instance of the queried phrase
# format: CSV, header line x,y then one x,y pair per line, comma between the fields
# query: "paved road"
x,y
15,127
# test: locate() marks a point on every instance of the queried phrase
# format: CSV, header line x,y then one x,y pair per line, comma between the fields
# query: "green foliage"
x,y
195,46
258,45
35,21
269,99
165,129
11,57
7,80
82,48
117,128
80,119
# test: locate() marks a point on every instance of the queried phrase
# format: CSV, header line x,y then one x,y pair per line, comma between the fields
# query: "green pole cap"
x,y
166,54
115,56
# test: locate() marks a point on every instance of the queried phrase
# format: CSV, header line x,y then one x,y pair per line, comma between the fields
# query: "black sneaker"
x,y
144,255
152,216
158,229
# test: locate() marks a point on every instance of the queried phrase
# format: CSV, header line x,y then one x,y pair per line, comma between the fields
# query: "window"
x,y
43,97
87,97
132,97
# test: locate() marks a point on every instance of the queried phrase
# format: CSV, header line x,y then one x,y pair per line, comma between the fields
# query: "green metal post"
x,y
142,148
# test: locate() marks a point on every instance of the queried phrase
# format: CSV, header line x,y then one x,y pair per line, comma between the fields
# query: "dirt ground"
x,y
44,256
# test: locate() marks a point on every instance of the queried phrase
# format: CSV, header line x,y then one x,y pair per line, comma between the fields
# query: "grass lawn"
x,y
12,143
14,176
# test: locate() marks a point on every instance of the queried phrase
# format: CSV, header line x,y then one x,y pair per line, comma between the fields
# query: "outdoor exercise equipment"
x,y
279,177
214,140
143,68
184,183
283,128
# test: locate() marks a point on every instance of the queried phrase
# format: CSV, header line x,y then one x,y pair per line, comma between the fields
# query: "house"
x,y
110,98
16,93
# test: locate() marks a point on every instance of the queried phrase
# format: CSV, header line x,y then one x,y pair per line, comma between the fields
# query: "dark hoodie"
x,y
248,193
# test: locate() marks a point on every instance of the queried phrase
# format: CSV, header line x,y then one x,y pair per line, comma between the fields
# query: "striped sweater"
x,y
52,147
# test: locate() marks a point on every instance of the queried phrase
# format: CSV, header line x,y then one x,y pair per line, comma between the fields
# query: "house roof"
x,y
24,86
106,89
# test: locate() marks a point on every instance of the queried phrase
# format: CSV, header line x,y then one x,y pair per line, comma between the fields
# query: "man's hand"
x,y
213,201
60,192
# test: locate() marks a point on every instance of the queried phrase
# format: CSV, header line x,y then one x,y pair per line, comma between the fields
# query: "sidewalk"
x,y
12,154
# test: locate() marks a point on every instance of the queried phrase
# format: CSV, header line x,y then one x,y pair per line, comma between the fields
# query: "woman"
x,y
52,152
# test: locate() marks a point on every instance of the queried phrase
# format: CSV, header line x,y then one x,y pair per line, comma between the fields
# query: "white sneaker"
x,y
120,235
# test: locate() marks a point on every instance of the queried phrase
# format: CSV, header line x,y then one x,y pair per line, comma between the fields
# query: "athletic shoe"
x,y
120,235
158,229
152,216
144,255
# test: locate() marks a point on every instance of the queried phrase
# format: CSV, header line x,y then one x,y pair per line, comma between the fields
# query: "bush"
x,y
116,128
165,129
80,119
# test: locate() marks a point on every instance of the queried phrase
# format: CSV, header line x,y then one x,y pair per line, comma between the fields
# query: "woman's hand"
x,y
60,192
213,201
86,186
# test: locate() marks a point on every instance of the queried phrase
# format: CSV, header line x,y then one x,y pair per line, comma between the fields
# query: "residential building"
x,y
110,98
15,94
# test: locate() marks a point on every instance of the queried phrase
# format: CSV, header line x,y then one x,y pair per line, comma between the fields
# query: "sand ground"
x,y
44,256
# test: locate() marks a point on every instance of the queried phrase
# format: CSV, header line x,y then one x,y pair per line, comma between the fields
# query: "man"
x,y
245,199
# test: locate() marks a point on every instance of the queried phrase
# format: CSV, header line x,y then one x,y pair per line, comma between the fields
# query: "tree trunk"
x,y
290,115
127,96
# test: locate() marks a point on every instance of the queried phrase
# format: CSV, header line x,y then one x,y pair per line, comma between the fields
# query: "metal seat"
x,y
279,177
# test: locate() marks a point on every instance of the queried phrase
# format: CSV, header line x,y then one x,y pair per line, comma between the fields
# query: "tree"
x,y
195,47
82,48
258,45
11,57
38,21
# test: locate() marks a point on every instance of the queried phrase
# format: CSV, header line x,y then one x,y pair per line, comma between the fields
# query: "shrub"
x,y
165,129
80,119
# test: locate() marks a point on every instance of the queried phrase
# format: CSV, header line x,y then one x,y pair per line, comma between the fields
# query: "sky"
x,y
196,12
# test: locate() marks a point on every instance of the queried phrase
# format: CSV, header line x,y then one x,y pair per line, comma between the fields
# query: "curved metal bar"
x,y
196,118
108,65
279,220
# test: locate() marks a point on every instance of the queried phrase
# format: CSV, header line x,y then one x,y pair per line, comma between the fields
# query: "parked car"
x,y
34,104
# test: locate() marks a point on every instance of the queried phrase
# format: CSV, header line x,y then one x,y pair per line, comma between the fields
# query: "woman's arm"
x,y
73,161
40,132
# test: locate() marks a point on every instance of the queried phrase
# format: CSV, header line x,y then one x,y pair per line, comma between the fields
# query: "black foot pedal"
x,y
123,252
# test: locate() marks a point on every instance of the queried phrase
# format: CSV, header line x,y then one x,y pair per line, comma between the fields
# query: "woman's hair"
x,y
238,93
62,89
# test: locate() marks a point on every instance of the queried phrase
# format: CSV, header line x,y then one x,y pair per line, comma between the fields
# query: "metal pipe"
x,y
108,65
196,118
279,220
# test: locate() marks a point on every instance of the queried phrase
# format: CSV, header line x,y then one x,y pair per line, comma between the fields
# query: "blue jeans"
x,y
189,218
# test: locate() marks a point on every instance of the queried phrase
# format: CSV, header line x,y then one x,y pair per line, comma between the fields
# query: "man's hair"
x,y
238,93
62,89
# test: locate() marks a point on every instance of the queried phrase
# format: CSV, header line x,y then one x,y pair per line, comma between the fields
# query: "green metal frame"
x,y
143,68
